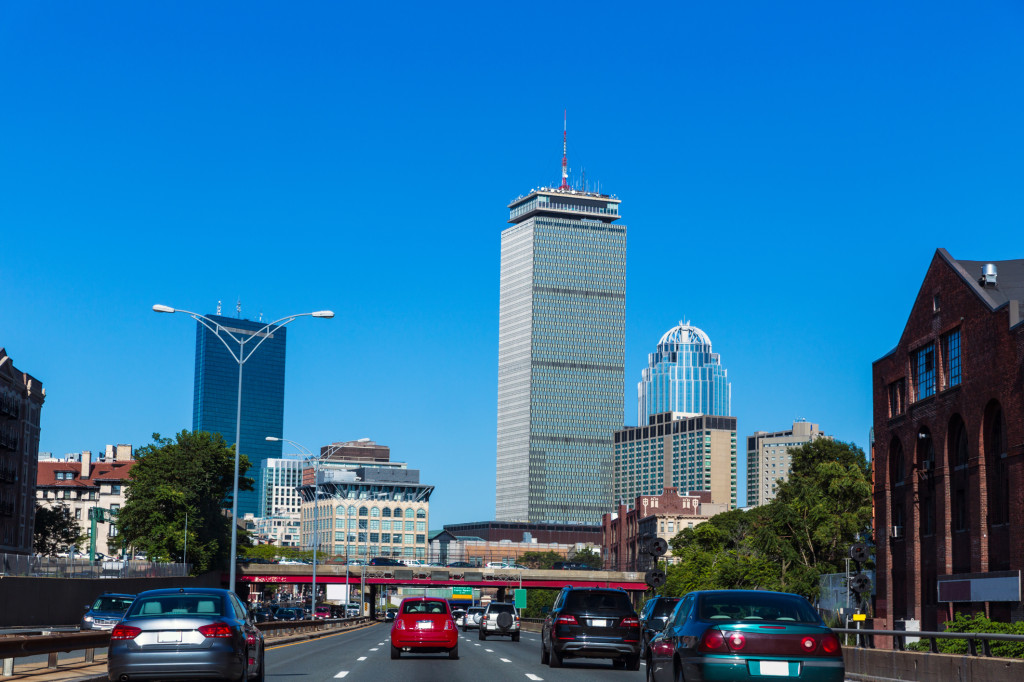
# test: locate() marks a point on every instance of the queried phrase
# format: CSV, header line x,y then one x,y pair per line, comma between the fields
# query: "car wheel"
x,y
679,676
395,652
482,635
453,654
555,661
633,662
465,629
544,657
262,674
618,663
515,636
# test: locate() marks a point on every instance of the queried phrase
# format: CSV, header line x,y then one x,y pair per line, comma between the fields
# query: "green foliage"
x,y
589,557
539,602
539,560
788,543
977,623
56,529
193,473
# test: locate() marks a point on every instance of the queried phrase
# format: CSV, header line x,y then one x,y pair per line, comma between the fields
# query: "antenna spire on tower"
x,y
565,158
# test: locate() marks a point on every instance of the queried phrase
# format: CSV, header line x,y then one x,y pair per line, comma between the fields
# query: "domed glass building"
x,y
684,376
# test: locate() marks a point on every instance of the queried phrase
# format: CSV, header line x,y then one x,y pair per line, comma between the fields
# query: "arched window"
x,y
957,442
374,511
398,512
409,513
352,511
363,511
421,513
339,511
998,475
897,466
386,512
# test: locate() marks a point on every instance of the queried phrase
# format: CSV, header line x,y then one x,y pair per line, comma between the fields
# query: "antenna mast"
x,y
565,158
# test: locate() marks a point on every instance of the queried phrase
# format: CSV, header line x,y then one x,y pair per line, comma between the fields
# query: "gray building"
x,y
768,459
561,355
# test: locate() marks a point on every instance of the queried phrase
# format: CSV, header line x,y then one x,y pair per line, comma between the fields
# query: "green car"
x,y
731,635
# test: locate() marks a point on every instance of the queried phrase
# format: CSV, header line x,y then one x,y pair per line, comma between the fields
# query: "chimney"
x,y
86,461
988,275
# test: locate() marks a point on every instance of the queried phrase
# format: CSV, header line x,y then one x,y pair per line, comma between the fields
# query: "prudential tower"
x,y
561,354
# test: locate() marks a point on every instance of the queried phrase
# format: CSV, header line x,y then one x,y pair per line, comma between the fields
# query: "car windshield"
x,y
120,604
424,607
756,606
663,608
177,605
597,600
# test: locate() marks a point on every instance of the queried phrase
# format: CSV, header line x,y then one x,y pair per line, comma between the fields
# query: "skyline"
x,y
786,173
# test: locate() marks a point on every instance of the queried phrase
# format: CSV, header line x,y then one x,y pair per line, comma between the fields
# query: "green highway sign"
x,y
462,591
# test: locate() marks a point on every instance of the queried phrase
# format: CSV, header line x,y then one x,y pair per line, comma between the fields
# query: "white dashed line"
x,y
341,674
490,651
375,649
475,644
533,677
361,658
505,660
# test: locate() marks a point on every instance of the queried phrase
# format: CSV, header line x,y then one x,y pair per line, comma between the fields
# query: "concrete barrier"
x,y
882,664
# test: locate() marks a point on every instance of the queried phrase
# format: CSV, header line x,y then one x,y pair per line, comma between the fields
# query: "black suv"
x,y
591,622
385,561
653,617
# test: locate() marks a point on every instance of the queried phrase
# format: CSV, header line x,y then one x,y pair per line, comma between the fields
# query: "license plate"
x,y
598,623
167,636
424,624
775,668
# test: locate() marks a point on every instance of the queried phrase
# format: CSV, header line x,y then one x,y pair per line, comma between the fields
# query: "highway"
x,y
364,655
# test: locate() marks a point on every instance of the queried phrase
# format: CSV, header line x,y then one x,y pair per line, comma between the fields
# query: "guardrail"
x,y
79,566
18,646
864,639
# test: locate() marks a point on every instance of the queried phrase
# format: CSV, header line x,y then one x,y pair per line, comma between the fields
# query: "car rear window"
x,y
597,600
663,607
768,606
178,605
424,607
502,608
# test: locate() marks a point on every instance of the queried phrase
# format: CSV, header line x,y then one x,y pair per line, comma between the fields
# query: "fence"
x,y
32,566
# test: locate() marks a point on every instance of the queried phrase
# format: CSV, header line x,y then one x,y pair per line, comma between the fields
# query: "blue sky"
x,y
786,171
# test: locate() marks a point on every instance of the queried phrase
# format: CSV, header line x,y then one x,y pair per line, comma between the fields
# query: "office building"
x,y
768,459
948,458
689,453
560,355
21,406
278,485
215,402
683,375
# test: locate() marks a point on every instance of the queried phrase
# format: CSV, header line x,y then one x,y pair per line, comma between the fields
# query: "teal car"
x,y
730,635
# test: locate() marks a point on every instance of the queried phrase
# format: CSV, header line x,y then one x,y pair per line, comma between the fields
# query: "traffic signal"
x,y
655,547
860,583
655,577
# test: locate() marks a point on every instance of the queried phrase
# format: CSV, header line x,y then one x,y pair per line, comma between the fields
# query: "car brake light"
x,y
216,630
808,644
736,641
399,624
713,641
830,644
125,632
566,620
630,623
449,625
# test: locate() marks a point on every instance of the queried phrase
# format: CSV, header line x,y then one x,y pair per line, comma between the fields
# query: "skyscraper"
x,y
560,355
683,375
215,400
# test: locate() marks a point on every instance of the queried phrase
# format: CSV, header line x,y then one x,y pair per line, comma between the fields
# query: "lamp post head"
x,y
272,438
328,314
163,308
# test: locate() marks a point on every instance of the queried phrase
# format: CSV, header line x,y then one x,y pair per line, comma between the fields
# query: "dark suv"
x,y
591,622
385,561
653,617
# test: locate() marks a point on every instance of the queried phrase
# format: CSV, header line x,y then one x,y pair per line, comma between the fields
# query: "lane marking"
x,y
314,639
374,649
534,677
341,674
506,660
490,651
361,658
475,644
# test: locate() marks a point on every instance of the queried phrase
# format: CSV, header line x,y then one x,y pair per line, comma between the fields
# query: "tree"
x,y
540,559
192,474
589,557
56,529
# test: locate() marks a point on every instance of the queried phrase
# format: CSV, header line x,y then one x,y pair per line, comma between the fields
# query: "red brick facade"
x,y
948,453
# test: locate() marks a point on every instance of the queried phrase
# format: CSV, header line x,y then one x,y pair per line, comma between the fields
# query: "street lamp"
x,y
240,357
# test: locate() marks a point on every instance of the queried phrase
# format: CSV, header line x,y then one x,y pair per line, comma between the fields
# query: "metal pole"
x,y
234,494
316,524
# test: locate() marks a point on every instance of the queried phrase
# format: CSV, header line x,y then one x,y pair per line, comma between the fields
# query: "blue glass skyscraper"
x,y
561,356
215,398
683,375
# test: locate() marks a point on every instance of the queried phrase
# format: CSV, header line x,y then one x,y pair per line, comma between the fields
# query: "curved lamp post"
x,y
241,356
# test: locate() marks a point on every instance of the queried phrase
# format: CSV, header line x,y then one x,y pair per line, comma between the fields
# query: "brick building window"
x,y
924,372
951,357
897,397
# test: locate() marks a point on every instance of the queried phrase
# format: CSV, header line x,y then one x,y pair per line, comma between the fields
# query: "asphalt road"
x,y
365,656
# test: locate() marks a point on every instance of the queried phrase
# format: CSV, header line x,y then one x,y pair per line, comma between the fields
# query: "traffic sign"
x,y
519,596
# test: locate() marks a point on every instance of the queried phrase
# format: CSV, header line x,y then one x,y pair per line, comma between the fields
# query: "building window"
x,y
960,510
951,357
924,372
363,511
897,397
387,511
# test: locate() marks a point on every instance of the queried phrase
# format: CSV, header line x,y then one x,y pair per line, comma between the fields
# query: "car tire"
x,y
453,654
544,657
649,675
633,662
554,660
396,653
618,663
262,674
465,629
515,636
482,635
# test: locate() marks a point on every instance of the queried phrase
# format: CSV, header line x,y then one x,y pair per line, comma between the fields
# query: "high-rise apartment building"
x,y
215,401
561,355
768,459
278,486
684,375
21,406
674,450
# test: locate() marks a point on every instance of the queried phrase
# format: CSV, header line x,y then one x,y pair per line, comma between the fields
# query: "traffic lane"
x,y
323,658
526,653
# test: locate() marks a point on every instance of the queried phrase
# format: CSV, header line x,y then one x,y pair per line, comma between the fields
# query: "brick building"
x,y
949,449
21,406
662,515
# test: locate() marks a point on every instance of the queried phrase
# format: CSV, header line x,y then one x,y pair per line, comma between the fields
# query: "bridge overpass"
x,y
375,577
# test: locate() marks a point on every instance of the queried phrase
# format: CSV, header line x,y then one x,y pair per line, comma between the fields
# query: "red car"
x,y
424,625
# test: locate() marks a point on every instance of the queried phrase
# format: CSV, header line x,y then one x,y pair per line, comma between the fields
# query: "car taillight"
x,y
661,647
736,641
713,641
630,623
399,624
216,630
566,620
808,644
449,625
125,632
830,644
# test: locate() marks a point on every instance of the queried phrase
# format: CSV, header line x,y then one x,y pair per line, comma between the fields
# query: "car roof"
x,y
183,590
116,594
